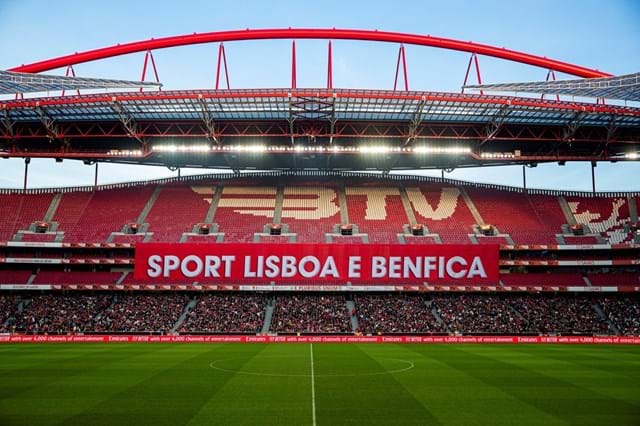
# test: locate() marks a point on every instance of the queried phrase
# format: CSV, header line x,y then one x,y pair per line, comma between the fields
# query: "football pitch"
x,y
323,384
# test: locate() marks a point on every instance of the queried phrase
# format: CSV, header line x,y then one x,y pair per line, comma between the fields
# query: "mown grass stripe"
x,y
457,397
569,402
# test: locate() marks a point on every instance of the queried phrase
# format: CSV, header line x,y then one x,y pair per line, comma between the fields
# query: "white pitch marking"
x,y
253,373
313,387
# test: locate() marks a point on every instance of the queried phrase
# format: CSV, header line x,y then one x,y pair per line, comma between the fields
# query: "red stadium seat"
x,y
177,210
93,216
19,211
529,219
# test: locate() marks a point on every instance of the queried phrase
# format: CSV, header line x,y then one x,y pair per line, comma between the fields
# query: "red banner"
x,y
317,263
571,340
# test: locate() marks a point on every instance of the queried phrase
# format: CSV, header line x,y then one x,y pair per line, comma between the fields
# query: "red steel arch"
x,y
310,33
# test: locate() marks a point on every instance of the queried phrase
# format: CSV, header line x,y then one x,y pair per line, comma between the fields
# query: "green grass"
x,y
158,384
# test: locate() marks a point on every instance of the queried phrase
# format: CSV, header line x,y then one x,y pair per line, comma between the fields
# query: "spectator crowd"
x,y
384,313
142,313
624,312
311,314
53,313
226,313
395,314
8,310
479,313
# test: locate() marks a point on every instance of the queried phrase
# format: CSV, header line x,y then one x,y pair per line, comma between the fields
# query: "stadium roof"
x,y
327,128
337,129
624,87
17,82
317,104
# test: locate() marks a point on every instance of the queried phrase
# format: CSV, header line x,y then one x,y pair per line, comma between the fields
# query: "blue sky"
x,y
598,34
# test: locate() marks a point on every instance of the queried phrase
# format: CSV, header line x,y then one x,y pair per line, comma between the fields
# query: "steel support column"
x,y
524,178
26,173
593,177
95,178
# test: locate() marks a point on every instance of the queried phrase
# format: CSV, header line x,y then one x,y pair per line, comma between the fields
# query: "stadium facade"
x,y
374,253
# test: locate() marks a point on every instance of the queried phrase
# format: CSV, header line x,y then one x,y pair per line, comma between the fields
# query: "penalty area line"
x,y
313,387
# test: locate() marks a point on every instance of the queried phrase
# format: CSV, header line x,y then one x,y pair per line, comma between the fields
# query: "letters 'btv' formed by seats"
x,y
310,211
443,210
243,210
378,212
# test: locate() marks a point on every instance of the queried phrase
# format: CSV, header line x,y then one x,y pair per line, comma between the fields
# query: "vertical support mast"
x,y
144,67
222,57
550,74
473,60
149,55
330,67
70,72
404,67
293,65
401,59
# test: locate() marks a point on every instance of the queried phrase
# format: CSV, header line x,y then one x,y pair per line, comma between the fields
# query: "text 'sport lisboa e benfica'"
x,y
314,219
286,262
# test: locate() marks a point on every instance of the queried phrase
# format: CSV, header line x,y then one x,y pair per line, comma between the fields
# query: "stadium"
x,y
315,272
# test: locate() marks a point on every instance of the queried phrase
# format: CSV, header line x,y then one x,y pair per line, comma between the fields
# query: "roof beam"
x,y
291,119
127,121
573,126
332,119
7,124
209,121
416,120
611,129
496,123
48,123
332,129
210,126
